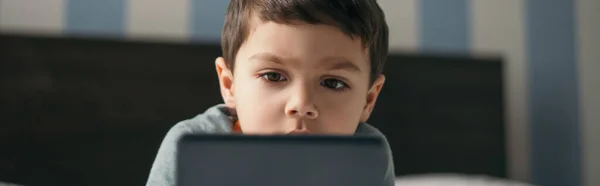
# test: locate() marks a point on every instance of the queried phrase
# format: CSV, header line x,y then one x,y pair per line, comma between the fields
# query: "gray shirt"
x,y
217,120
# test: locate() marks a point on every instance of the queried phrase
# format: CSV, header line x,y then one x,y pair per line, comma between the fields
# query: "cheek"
x,y
252,92
341,112
256,106
344,102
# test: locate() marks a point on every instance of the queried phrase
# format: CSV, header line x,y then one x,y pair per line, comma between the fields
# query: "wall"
x,y
589,65
550,46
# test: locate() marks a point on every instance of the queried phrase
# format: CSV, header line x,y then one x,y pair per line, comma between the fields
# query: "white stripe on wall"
x,y
588,37
32,16
402,19
158,19
498,28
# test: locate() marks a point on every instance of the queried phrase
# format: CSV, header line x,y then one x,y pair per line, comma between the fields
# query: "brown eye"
x,y
273,76
334,84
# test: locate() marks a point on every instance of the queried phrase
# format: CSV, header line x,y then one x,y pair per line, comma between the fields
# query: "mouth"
x,y
299,132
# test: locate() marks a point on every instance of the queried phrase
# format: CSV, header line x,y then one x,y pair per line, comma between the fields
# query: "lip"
x,y
299,132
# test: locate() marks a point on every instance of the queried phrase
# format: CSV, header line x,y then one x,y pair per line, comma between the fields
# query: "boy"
x,y
292,67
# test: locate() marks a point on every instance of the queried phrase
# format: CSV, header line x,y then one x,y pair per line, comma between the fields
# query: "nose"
x,y
303,112
300,106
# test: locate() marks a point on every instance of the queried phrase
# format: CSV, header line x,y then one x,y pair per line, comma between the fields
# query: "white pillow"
x,y
454,180
7,184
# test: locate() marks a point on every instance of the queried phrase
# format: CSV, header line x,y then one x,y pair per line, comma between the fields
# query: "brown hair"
x,y
362,18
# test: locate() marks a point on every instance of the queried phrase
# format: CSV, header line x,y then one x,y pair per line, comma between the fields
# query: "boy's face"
x,y
299,78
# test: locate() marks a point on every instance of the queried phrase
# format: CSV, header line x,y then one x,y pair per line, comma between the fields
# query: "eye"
x,y
273,76
334,84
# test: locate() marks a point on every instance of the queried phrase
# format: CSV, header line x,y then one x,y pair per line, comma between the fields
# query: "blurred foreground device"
x,y
232,160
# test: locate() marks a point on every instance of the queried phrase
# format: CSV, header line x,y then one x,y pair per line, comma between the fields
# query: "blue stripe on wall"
x,y
554,109
95,17
444,25
207,19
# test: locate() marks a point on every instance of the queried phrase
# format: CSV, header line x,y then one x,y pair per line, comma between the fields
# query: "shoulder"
x,y
366,129
213,120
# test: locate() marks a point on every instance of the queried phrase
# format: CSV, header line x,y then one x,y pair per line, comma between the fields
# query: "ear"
x,y
225,81
372,97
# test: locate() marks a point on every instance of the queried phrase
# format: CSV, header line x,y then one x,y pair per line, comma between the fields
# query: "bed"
x,y
87,111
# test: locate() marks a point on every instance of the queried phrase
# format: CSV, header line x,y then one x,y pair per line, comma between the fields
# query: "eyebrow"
x,y
333,63
266,57
342,64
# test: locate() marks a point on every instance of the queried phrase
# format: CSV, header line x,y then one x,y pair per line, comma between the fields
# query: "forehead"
x,y
303,42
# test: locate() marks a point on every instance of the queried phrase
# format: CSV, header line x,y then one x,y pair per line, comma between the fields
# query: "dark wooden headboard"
x,y
93,111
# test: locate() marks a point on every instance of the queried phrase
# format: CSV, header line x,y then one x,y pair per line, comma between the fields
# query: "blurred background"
x,y
506,88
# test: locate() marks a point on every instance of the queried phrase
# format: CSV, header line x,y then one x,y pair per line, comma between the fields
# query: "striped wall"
x,y
158,19
551,47
553,99
588,67
498,27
